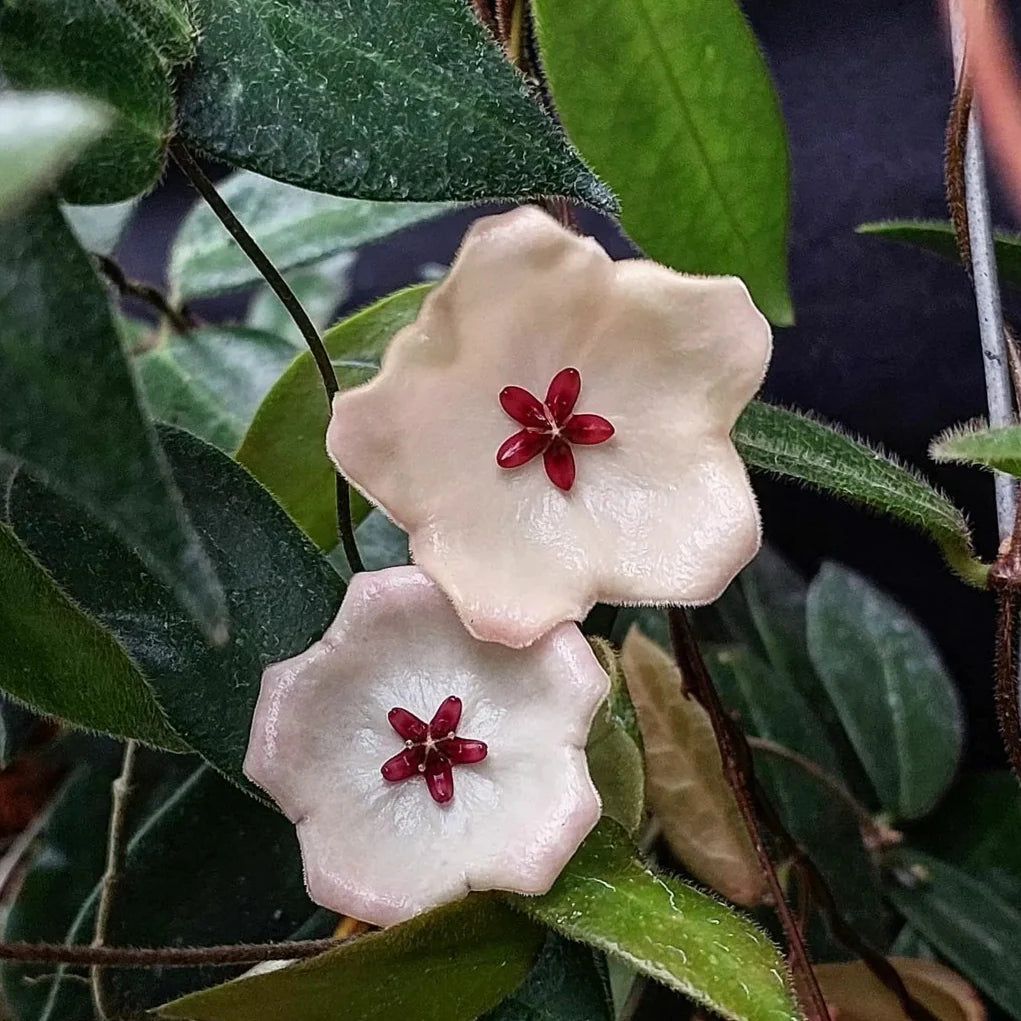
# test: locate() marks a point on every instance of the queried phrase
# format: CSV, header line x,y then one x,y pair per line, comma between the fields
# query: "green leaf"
x,y
938,236
280,591
57,660
568,983
94,48
285,445
294,227
796,446
41,134
372,100
451,964
966,921
211,381
890,689
665,929
71,409
221,840
99,229
998,449
671,103
769,707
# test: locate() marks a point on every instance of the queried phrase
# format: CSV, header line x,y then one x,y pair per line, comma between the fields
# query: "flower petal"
x,y
462,751
523,407
587,429
440,779
446,718
559,462
562,394
408,725
520,448
403,765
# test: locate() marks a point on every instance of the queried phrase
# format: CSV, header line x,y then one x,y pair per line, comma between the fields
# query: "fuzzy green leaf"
x,y
894,697
797,446
97,49
665,929
451,964
71,410
966,920
373,100
280,591
938,236
999,449
294,227
285,446
671,103
41,134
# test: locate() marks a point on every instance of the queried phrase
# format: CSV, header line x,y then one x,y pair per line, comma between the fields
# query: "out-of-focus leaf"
x,y
281,594
665,929
938,236
17,725
60,662
796,446
966,920
99,229
285,447
374,100
451,964
380,542
687,790
568,983
999,449
890,688
41,134
769,707
211,381
651,620
293,226
71,412
857,995
671,103
96,49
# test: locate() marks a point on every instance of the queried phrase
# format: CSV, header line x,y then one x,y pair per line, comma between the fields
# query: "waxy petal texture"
x,y
660,511
510,811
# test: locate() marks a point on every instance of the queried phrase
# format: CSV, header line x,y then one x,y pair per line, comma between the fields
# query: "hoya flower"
x,y
554,430
420,763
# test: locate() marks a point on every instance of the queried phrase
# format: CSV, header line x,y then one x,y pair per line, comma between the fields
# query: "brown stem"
x,y
484,12
953,168
295,310
739,771
180,320
165,957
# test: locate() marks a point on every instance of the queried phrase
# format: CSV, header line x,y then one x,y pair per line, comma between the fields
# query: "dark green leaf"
x,y
938,236
57,660
568,983
665,929
285,448
373,100
212,380
987,448
966,921
94,48
671,103
71,411
100,228
40,135
448,965
294,227
280,591
893,695
796,446
770,708
221,840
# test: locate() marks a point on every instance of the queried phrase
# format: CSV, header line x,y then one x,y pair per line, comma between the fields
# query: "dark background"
x,y
886,339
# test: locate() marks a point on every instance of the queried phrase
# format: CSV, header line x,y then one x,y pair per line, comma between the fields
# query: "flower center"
x,y
550,428
432,749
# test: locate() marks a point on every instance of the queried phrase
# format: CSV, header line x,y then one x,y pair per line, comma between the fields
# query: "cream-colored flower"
x,y
419,763
625,376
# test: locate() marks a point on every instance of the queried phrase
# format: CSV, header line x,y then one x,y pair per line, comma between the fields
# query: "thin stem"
x,y
164,957
116,851
289,300
739,771
178,319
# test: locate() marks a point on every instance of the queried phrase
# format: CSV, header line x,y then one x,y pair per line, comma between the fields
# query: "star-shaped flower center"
x,y
431,749
550,427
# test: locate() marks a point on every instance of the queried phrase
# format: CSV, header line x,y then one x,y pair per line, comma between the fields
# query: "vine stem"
x,y
116,851
195,174
178,318
739,770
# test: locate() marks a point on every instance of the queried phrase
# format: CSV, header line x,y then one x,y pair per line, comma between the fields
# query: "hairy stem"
x,y
289,300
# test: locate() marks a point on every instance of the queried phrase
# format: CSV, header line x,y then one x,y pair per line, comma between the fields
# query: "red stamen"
x,y
562,394
559,462
587,429
431,749
523,407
